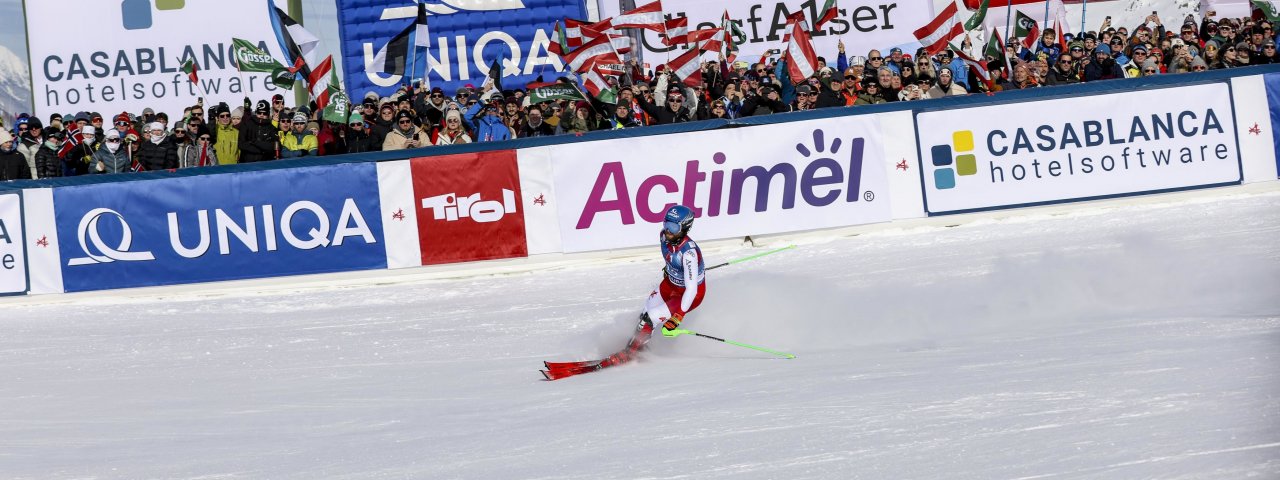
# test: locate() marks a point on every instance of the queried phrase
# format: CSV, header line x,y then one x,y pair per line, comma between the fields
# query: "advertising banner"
x,y
1272,83
466,37
1080,148
13,258
862,24
745,181
469,207
220,227
126,55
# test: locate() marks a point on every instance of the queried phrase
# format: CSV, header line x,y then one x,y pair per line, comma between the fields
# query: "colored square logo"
x,y
966,164
944,178
963,140
941,155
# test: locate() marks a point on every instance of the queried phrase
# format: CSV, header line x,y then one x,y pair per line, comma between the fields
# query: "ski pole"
x,y
679,332
753,257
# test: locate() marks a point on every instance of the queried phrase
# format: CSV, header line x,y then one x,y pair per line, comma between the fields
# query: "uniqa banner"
x,y
862,24
745,181
466,37
220,227
127,55
1080,148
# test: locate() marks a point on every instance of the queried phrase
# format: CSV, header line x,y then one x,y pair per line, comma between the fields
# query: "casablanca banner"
x,y
127,56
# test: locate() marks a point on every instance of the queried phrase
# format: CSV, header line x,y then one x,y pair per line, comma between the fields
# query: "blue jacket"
x,y
488,128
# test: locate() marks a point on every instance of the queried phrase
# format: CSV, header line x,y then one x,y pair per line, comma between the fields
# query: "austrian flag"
x,y
648,17
937,34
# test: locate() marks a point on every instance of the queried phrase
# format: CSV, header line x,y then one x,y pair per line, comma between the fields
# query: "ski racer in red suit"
x,y
683,281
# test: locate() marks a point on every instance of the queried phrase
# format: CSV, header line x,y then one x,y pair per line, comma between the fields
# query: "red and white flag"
x,y
687,67
708,39
320,80
978,67
802,61
598,50
677,32
796,18
828,13
937,34
595,82
648,17
621,43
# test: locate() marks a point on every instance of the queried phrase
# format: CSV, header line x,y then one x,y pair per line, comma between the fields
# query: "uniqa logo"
x,y
88,234
818,182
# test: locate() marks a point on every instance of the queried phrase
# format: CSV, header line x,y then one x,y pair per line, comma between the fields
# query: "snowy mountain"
x,y
15,85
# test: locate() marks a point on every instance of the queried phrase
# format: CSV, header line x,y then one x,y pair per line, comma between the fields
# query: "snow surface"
x,y
1111,340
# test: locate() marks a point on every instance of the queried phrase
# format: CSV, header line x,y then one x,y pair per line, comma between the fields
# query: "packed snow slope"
x,y
1110,340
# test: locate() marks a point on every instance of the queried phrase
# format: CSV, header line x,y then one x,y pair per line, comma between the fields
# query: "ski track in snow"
x,y
1110,341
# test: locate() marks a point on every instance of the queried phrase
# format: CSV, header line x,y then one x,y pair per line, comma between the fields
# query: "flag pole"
x,y
1046,17
1008,21
1084,7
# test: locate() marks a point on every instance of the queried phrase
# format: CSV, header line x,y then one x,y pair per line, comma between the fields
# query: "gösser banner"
x,y
127,55
745,181
862,24
220,227
1079,148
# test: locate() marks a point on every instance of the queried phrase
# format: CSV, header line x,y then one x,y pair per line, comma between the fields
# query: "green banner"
x,y
250,58
281,78
554,92
975,22
337,110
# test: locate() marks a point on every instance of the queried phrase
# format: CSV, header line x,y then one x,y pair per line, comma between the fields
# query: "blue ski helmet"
x,y
678,220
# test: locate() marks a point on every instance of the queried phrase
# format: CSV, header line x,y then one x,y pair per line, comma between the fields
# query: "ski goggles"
x,y
671,227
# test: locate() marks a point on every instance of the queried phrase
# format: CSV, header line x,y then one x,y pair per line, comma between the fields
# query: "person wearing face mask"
x,y
48,164
158,151
114,156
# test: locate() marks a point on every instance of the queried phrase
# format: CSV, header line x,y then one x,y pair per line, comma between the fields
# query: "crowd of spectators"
x,y
417,117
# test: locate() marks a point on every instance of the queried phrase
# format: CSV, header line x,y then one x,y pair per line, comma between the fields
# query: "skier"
x,y
683,284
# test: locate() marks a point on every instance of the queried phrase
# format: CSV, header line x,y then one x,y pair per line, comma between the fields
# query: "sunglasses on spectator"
x,y
113,140
285,121
224,115
204,138
122,123
96,120
1199,69
1269,47
875,59
451,120
1150,70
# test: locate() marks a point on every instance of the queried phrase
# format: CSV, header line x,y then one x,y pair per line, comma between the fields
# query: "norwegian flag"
x,y
686,67
648,17
74,138
135,166
937,34
978,67
677,32
802,61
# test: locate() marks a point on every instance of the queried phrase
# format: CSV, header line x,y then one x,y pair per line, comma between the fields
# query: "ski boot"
x,y
638,340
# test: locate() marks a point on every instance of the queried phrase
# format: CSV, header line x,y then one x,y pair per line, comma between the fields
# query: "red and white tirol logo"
x,y
469,207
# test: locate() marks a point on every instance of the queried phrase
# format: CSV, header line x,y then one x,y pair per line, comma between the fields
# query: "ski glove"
x,y
673,322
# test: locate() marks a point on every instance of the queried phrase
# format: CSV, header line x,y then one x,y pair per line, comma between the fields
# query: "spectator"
x,y
487,122
768,102
452,134
381,126
158,151
13,166
258,140
225,135
111,158
356,138
1102,67
1066,72
870,95
182,137
1049,46
1133,68
1021,78
48,164
884,77
30,138
672,110
297,141
76,161
534,126
1268,55
1150,68
946,85
200,154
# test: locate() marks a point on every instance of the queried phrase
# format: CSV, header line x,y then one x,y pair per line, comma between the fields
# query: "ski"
x,y
558,370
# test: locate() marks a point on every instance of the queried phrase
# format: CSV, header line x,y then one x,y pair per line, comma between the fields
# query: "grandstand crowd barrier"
x,y
605,190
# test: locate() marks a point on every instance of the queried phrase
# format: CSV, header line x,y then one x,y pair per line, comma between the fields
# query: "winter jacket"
x,y
13,166
296,145
663,115
257,140
158,156
398,140
356,142
938,92
191,157
443,138
488,128
226,140
1106,70
28,148
118,162
48,165
543,129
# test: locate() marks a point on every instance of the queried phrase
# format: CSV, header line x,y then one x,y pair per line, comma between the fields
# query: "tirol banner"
x,y
220,227
466,37
799,176
1090,147
126,55
468,207
862,24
